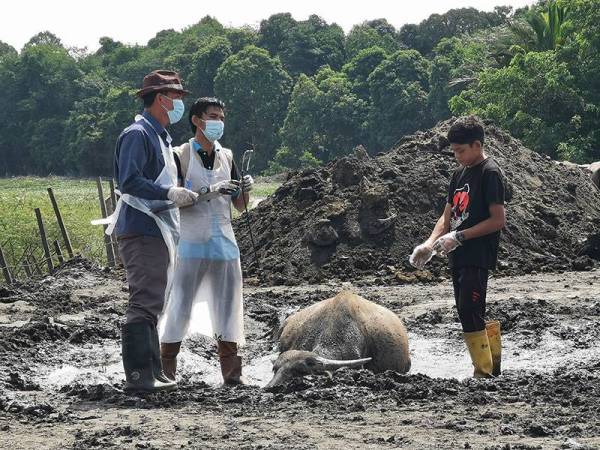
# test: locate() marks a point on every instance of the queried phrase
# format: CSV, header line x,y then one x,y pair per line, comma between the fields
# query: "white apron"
x,y
167,221
207,287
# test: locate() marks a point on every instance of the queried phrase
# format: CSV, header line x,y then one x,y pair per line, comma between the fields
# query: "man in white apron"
x,y
147,178
207,287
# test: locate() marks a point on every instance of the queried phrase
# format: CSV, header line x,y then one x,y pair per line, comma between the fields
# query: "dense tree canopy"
x,y
425,36
256,89
302,92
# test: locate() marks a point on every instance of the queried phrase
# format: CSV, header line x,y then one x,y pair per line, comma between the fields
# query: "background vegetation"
x,y
78,203
304,92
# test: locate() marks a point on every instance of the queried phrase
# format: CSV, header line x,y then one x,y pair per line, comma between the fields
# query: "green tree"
x,y
582,54
455,65
535,98
305,46
10,161
7,50
44,38
372,33
399,87
273,32
93,125
543,29
424,36
43,88
242,37
325,120
256,90
361,66
205,63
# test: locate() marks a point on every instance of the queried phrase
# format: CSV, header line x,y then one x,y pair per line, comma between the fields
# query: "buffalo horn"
x,y
333,364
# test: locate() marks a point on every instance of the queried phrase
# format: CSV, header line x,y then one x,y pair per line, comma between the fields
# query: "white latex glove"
x,y
446,243
421,255
247,183
182,196
226,187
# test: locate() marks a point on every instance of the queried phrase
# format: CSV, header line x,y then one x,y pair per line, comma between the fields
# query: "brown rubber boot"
x,y
231,363
493,331
168,358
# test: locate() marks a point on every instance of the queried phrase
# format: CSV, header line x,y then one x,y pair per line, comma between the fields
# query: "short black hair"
x,y
466,130
148,99
201,105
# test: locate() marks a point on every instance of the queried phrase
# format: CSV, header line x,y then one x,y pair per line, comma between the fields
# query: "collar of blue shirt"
x,y
162,132
197,147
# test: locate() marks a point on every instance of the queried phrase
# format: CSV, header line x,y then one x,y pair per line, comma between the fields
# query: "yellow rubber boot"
x,y
493,331
479,349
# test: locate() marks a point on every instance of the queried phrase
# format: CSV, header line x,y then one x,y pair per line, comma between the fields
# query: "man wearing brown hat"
x,y
147,178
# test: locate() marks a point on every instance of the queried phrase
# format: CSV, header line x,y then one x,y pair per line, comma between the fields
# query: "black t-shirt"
x,y
472,191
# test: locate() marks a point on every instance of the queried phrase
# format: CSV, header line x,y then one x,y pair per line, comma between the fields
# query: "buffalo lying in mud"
x,y
342,331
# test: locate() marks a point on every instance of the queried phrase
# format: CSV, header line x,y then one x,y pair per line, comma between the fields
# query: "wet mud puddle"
x,y
432,356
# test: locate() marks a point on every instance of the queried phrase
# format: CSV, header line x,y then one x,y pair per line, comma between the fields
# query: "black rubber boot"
x,y
159,373
138,359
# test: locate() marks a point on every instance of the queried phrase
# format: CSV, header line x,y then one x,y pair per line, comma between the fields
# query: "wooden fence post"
x,y
38,215
5,268
61,224
58,251
107,240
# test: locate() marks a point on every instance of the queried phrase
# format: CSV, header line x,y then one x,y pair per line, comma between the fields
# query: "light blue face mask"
x,y
213,130
176,113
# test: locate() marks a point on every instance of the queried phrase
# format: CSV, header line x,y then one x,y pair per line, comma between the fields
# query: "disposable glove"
x,y
247,183
421,255
446,243
182,196
226,187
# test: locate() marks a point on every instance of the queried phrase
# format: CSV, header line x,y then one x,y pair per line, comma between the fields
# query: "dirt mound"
x,y
361,216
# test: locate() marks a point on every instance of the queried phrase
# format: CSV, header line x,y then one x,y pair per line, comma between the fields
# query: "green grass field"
x,y
78,203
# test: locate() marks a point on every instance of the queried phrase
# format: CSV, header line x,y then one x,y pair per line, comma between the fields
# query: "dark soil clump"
x,y
360,217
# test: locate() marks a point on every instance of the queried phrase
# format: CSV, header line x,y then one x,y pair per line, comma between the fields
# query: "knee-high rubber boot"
x,y
479,349
159,373
493,332
138,359
168,357
231,363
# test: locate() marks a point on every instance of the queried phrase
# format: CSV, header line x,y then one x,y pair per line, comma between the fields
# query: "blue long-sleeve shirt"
x,y
138,162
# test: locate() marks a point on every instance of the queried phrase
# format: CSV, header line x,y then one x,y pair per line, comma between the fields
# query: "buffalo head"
x,y
297,363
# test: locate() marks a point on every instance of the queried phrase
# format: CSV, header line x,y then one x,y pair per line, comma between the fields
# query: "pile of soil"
x,y
361,216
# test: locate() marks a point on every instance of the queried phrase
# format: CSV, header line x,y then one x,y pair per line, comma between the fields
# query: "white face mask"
x,y
176,113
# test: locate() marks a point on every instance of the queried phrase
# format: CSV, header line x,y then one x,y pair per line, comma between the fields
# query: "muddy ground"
x,y
61,376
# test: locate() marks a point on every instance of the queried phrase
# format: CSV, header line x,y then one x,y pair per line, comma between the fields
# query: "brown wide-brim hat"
x,y
161,80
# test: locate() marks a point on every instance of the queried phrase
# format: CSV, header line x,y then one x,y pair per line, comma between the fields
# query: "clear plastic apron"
x,y
167,221
207,288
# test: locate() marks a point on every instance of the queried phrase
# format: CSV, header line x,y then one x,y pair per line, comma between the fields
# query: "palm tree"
x,y
543,30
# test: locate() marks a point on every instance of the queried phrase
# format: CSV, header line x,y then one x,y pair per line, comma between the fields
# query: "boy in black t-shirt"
x,y
469,233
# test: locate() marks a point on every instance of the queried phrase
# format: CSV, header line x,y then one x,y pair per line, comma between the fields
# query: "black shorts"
x,y
470,289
